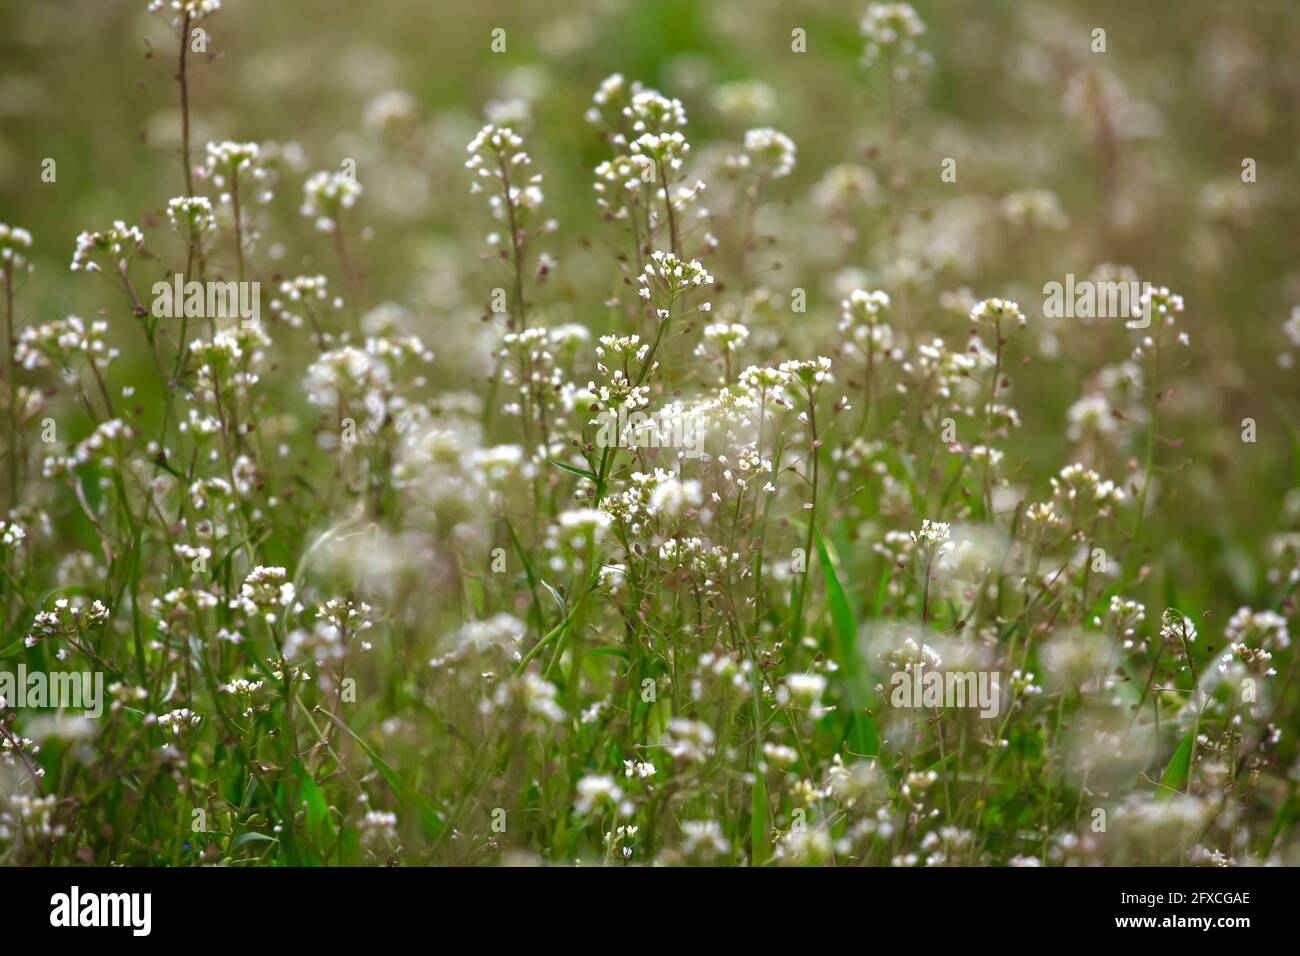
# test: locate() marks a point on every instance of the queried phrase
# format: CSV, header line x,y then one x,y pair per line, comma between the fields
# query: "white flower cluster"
x,y
191,217
66,618
11,534
14,245
31,816
179,720
806,375
494,152
1290,328
326,194
1035,208
618,182
62,341
673,278
1077,484
115,246
191,10
580,523
265,590
1264,628
652,112
101,445
993,312
378,830
305,291
597,790
722,336
890,29
1125,615
242,687
667,152
703,840
230,163
862,319
934,538
770,153
845,187
745,100
940,366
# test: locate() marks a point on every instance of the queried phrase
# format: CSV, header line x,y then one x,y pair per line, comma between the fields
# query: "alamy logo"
x,y
73,909
60,690
208,300
1088,299
917,688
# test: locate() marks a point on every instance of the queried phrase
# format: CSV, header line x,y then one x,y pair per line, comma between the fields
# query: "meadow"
x,y
744,433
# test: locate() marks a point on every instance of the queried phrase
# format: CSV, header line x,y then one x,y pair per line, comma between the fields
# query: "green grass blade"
x,y
862,734
1174,779
430,820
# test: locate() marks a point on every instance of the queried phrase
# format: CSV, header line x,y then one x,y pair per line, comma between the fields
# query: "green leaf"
x,y
841,613
605,651
760,819
572,469
882,589
318,827
1174,779
430,820
250,837
556,594
862,735
760,824
528,570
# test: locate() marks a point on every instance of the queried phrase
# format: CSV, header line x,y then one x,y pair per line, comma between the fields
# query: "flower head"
x,y
770,153
113,247
326,194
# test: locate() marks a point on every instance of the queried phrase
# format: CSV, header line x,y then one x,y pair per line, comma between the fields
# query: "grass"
x,y
366,582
